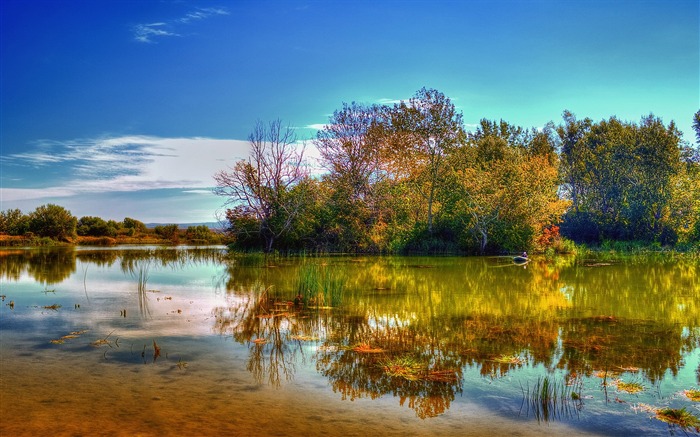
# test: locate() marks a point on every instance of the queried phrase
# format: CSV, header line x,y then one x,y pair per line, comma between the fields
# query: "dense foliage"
x,y
409,177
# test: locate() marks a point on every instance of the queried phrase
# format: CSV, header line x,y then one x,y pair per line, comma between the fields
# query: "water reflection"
x,y
411,328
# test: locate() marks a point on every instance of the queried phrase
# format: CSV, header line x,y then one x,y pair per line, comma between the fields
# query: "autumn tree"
x,y
258,188
504,184
425,129
351,149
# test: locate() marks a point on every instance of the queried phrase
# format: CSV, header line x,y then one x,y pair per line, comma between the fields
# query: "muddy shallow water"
x,y
149,341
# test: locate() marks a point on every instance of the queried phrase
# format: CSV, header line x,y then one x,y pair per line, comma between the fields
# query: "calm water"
x,y
185,341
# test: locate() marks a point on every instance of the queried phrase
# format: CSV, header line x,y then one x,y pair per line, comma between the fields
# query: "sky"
x,y
127,108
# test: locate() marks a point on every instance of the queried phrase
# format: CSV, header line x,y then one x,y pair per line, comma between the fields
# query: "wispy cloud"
x,y
151,32
148,32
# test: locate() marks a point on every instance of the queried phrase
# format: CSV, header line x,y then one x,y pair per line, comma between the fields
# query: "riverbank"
x,y
150,239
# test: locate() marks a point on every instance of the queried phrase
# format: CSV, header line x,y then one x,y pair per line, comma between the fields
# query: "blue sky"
x,y
127,108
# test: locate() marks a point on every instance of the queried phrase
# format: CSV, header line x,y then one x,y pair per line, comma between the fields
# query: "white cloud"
x,y
128,163
317,126
148,33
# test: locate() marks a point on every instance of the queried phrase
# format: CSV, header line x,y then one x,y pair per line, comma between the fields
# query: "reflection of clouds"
x,y
174,309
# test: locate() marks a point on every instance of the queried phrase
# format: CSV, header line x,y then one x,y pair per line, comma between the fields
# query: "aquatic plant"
x,y
320,286
629,387
692,394
411,369
549,399
678,416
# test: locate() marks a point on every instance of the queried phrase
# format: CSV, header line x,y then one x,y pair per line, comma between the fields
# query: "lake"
x,y
194,341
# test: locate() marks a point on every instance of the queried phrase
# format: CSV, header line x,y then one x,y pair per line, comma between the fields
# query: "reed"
x,y
320,285
141,284
549,399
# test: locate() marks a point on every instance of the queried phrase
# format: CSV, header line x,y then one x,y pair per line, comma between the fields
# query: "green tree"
x,y
425,130
134,226
258,188
95,227
624,178
13,222
53,221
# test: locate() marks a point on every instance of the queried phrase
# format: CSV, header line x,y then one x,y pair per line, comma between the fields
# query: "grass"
x,y
143,299
410,369
692,394
678,416
320,286
548,399
629,387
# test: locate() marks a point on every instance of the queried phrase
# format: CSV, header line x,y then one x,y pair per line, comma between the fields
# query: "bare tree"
x,y
259,188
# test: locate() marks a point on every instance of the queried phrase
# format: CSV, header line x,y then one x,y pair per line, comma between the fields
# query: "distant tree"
x,y
53,221
13,222
95,227
258,188
696,126
199,233
133,226
169,232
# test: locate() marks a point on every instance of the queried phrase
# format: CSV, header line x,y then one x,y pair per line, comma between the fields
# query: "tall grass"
x,y
320,285
141,284
549,399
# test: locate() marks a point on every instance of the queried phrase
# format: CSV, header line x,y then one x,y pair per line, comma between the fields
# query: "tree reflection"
x,y
409,327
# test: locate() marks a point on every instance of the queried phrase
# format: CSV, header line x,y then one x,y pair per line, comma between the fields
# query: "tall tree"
x,y
426,129
258,188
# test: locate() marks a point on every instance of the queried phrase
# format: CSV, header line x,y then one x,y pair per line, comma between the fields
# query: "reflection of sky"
x,y
179,302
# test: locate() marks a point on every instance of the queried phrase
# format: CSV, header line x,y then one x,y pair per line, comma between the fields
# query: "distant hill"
x,y
211,225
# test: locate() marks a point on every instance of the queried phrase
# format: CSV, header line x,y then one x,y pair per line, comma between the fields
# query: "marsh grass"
x,y
692,394
320,285
680,417
549,399
629,387
411,369
141,285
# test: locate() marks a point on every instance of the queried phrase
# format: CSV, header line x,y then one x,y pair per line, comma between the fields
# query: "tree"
x,y
258,188
13,222
503,187
696,126
350,146
53,221
425,130
169,232
133,225
625,177
95,227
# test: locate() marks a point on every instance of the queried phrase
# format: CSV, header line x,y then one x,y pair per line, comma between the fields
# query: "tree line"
x,y
409,177
56,223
